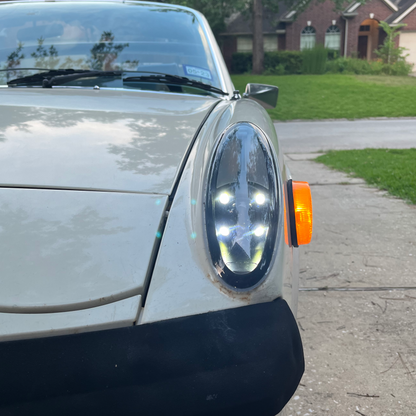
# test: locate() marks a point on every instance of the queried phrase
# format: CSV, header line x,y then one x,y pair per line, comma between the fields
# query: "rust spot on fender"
x,y
241,296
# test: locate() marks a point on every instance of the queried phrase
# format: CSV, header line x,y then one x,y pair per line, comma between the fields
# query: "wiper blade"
x,y
60,76
40,76
175,79
23,69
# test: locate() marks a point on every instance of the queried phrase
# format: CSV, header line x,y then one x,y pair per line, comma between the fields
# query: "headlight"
x,y
242,207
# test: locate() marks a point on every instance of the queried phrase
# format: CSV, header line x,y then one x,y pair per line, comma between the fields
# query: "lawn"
x,y
393,170
338,96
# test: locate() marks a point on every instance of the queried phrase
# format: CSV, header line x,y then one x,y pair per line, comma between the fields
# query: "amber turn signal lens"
x,y
302,201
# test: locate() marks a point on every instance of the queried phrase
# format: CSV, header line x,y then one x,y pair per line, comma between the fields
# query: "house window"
x,y
244,44
270,43
364,28
307,38
333,38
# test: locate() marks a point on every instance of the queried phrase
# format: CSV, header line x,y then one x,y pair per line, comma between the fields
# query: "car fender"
x,y
184,281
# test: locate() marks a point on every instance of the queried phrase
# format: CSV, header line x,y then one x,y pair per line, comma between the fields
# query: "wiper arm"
x,y
60,76
175,79
62,79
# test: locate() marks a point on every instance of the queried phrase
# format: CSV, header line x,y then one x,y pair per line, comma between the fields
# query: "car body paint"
x,y
125,141
131,141
19,326
184,281
67,250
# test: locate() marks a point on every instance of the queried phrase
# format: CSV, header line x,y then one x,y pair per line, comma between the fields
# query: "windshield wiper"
x,y
176,80
61,76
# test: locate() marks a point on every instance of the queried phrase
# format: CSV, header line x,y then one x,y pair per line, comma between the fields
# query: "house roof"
x,y
400,9
352,7
241,24
404,8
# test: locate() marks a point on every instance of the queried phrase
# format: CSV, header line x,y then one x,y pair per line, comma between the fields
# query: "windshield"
x,y
104,37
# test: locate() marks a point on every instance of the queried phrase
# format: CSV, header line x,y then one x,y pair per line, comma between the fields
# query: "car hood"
x,y
96,139
84,182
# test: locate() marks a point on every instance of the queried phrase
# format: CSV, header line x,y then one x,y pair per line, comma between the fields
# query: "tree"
x,y
12,63
216,11
105,52
388,51
258,47
45,58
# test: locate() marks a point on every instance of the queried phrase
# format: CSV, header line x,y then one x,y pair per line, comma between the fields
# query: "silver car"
x,y
148,223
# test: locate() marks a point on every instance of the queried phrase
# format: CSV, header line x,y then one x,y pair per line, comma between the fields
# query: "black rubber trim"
x,y
244,361
292,218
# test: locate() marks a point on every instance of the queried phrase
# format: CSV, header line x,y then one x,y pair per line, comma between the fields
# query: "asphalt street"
x,y
357,304
314,136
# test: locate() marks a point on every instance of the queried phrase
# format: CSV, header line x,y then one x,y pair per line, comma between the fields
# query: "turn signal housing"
x,y
300,212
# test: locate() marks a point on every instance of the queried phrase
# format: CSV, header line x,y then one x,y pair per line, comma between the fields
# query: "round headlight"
x,y
242,207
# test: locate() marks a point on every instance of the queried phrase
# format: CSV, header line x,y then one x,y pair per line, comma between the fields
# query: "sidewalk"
x,y
359,329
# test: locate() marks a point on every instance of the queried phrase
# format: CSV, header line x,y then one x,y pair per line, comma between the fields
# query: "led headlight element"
x,y
225,231
242,207
260,199
224,198
259,231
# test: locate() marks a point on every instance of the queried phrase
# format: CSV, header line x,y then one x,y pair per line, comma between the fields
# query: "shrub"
x,y
398,68
336,66
376,67
393,57
349,66
363,67
242,62
388,52
275,63
291,61
314,60
277,70
333,54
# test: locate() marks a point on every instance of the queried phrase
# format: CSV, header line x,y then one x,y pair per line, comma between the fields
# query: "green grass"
x,y
393,170
337,96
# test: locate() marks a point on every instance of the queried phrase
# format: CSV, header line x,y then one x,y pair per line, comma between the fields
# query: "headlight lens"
x,y
242,206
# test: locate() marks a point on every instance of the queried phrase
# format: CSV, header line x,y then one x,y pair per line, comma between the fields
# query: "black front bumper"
x,y
243,361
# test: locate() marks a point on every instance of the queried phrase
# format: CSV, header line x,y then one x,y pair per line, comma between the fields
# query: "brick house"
x,y
354,31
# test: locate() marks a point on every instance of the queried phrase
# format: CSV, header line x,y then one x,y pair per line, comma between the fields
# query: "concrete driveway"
x,y
357,305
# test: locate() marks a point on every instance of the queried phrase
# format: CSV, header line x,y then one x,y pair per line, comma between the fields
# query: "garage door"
x,y
408,41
